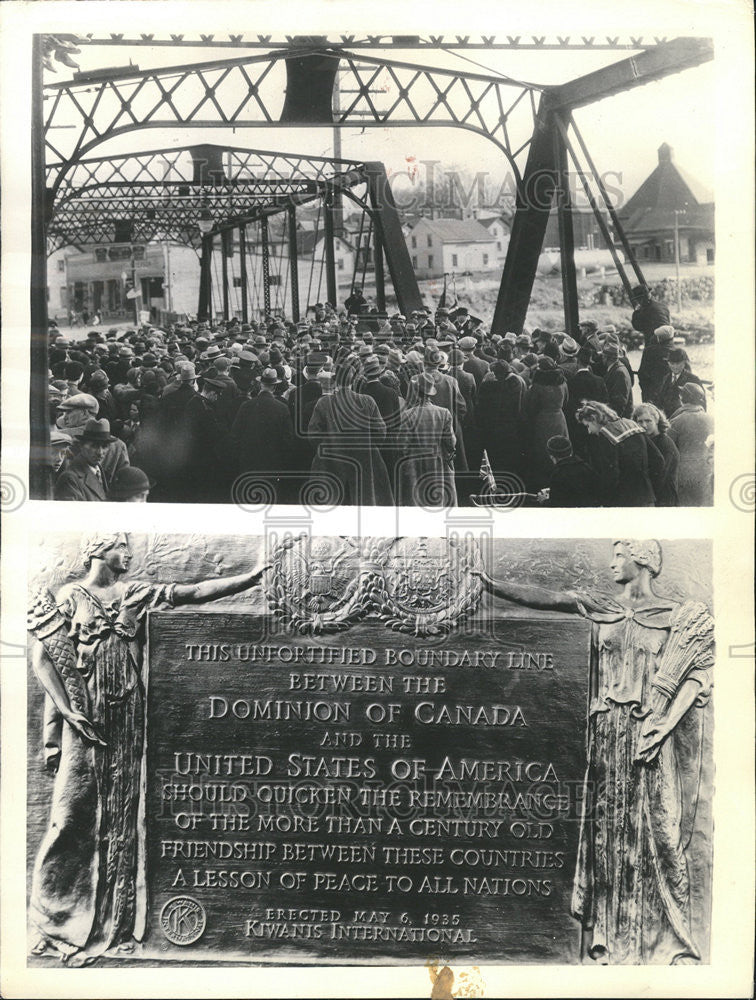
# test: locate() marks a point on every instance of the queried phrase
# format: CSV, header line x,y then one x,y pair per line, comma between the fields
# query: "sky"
x,y
622,132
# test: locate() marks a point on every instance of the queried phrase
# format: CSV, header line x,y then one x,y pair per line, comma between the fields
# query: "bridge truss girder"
x,y
165,193
243,92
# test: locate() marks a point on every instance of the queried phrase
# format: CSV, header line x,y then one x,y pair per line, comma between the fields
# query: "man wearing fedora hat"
x,y
387,401
567,360
83,478
469,389
263,435
584,384
301,402
654,366
648,314
349,431
425,470
203,468
448,394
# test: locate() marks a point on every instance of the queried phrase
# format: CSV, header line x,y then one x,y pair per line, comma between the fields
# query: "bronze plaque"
x,y
366,796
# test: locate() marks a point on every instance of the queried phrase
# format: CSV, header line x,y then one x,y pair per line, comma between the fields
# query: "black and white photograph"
x,y
371,747
366,331
412,270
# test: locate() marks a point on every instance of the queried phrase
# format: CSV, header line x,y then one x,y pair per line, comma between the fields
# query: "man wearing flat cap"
x,y
472,364
83,477
57,451
246,372
619,388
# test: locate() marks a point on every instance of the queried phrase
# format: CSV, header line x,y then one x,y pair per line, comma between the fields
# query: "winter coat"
x,y
619,456
499,412
573,483
689,428
349,430
544,418
425,471
263,436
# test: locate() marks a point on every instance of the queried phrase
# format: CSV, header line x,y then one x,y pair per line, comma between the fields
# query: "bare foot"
x,y
78,960
40,947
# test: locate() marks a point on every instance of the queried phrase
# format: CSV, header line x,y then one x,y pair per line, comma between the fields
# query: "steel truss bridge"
x,y
198,194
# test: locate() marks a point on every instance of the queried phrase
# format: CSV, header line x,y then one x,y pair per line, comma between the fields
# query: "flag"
x,y
486,473
442,300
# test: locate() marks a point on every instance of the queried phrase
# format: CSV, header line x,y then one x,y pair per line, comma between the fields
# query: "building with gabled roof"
x,y
499,230
443,246
670,195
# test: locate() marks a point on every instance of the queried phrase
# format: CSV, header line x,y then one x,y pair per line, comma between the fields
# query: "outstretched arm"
x,y
531,596
211,590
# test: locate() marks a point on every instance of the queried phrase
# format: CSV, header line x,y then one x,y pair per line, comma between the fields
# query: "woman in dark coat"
x,y
664,458
349,430
543,412
500,402
619,454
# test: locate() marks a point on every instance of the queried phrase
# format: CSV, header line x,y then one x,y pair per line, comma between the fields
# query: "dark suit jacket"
x,y
650,317
387,401
669,391
206,448
584,385
476,367
619,390
301,402
79,482
573,483
652,371
263,434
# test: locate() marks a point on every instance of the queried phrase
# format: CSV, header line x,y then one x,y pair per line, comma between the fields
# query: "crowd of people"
x,y
363,408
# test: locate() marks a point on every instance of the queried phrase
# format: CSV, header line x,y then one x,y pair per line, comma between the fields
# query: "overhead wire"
x,y
494,72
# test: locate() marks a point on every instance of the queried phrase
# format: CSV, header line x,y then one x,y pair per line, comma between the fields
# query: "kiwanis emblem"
x,y
427,586
183,920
